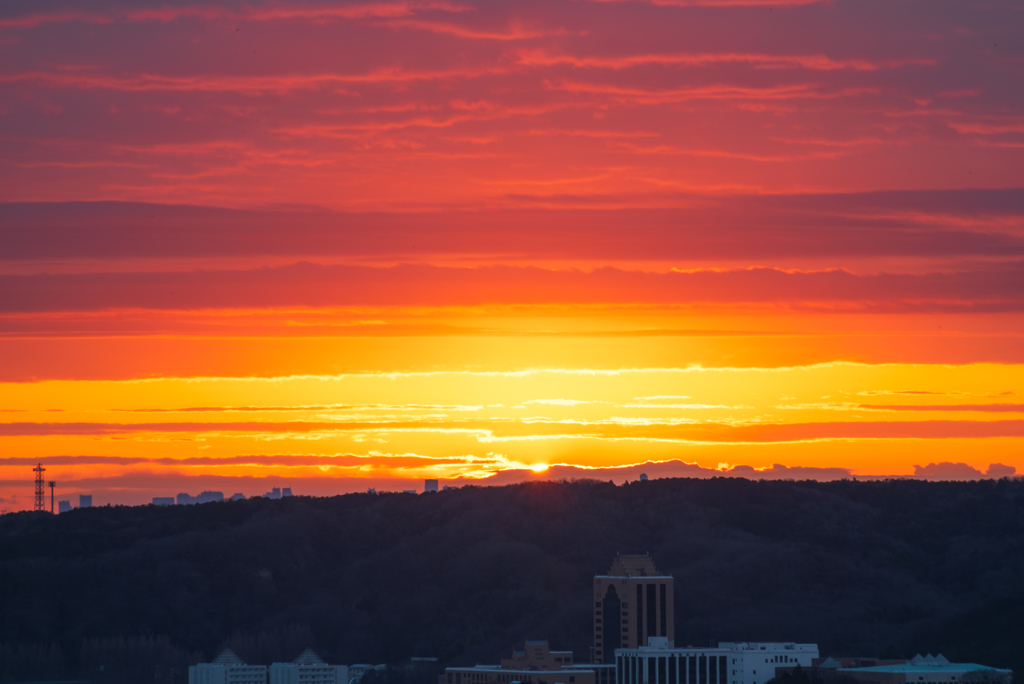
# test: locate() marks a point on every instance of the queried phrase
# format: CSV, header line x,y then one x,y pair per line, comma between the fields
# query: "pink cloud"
x,y
720,3
415,285
1000,470
937,225
947,471
812,62
707,85
724,3
310,12
710,92
515,32
241,84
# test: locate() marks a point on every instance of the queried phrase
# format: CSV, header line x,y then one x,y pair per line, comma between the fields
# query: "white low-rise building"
x,y
928,670
356,672
661,662
308,668
227,668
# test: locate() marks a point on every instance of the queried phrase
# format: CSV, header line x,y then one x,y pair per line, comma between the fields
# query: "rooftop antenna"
x,y
39,470
52,485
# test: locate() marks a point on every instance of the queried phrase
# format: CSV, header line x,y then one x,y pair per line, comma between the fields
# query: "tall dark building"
x,y
631,603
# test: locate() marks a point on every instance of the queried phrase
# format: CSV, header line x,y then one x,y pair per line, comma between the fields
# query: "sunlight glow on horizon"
x,y
357,245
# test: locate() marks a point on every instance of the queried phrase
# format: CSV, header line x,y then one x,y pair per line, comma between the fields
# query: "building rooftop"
x,y
308,657
228,657
924,664
907,668
663,644
633,565
587,666
766,646
506,670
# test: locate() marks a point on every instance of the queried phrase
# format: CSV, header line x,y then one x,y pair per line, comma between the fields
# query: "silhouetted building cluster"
x,y
308,668
228,668
826,669
536,663
206,497
661,662
634,643
84,501
920,669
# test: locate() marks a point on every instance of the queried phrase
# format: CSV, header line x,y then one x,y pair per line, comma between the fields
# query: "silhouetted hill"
x,y
861,568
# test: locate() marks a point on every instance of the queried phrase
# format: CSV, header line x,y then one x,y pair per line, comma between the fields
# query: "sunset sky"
x,y
341,245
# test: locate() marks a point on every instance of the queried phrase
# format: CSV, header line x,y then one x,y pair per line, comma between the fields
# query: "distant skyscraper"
x,y
631,603
643,477
274,493
430,485
287,491
85,500
63,506
237,497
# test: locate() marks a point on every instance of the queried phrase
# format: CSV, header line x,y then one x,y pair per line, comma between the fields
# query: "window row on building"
x,y
228,668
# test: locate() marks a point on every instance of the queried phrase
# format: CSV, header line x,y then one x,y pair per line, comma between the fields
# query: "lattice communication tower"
x,y
40,488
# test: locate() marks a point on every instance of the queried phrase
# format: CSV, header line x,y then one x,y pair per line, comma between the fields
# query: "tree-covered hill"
x,y
861,568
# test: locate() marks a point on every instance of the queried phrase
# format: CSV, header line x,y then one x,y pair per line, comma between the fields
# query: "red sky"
x,y
564,206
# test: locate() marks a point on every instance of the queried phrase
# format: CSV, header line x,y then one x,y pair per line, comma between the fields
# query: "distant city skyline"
x,y
127,494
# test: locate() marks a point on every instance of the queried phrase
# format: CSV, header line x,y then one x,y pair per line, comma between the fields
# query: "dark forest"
x,y
136,594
